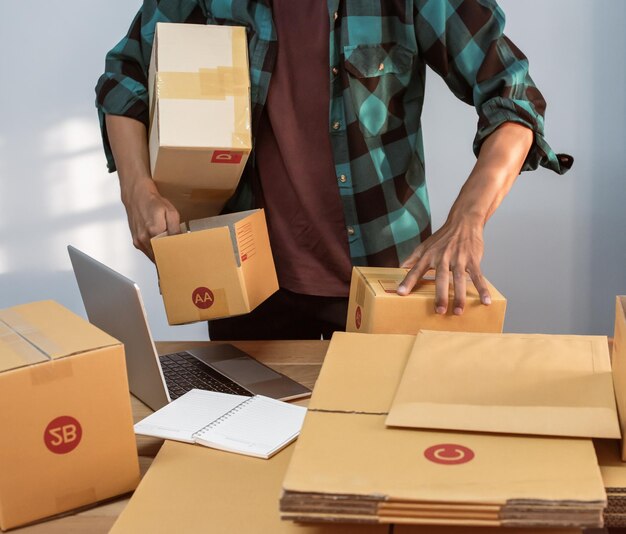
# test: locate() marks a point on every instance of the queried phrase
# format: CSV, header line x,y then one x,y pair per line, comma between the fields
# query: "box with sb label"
x,y
199,92
376,308
217,267
67,437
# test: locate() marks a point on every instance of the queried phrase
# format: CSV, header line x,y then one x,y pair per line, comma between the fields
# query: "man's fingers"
x,y
412,260
172,220
442,284
459,278
481,285
412,278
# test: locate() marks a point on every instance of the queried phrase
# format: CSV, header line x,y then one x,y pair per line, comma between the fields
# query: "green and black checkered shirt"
x,y
379,50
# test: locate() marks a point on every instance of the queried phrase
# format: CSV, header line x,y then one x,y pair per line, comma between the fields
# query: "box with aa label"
x,y
199,92
217,267
376,308
67,437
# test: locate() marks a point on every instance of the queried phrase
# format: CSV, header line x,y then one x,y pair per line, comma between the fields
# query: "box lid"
x,y
384,281
42,331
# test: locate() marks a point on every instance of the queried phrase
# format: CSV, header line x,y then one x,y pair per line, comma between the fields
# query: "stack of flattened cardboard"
x,y
348,466
613,471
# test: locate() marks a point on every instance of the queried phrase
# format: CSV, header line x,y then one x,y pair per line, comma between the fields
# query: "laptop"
x,y
114,304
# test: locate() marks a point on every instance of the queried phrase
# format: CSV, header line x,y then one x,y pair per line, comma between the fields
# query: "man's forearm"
x,y
499,163
149,214
129,144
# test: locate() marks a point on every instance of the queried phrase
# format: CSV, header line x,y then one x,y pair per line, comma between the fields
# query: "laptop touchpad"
x,y
245,370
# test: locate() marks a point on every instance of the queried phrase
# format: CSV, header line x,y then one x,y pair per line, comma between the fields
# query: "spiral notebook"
x,y
255,426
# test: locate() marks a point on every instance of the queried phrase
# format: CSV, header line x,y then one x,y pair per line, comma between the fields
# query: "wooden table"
x,y
300,360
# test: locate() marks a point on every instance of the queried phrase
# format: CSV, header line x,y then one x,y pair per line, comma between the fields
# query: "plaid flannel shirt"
x,y
379,50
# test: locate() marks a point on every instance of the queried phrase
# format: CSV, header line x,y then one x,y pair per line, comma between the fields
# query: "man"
x,y
337,93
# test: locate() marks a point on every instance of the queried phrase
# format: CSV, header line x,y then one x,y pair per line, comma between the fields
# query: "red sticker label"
x,y
226,156
63,434
449,454
357,317
203,298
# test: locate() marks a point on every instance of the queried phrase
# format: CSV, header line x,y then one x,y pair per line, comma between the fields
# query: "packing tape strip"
x,y
51,371
242,136
216,84
26,352
360,291
30,333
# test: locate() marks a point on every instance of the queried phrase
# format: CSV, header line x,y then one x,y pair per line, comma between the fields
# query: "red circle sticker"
x,y
449,454
203,297
63,434
357,317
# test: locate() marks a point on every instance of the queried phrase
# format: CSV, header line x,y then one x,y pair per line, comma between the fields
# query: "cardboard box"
x,y
618,362
376,308
67,435
218,267
200,137
347,466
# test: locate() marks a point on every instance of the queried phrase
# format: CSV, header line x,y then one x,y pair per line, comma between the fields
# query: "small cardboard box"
x,y
218,267
200,137
67,435
376,308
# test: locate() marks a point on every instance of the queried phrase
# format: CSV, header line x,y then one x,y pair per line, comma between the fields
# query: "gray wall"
x,y
556,247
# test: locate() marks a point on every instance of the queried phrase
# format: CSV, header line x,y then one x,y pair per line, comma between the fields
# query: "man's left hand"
x,y
456,250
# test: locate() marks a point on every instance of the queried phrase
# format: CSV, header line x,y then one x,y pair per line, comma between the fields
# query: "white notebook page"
x,y
259,427
188,414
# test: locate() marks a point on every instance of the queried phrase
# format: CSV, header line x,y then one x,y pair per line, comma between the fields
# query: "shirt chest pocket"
x,y
377,79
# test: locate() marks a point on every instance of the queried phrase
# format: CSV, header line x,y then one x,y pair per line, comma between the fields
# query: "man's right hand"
x,y
149,214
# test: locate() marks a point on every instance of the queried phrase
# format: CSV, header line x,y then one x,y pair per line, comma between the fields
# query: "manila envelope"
x,y
508,383
618,360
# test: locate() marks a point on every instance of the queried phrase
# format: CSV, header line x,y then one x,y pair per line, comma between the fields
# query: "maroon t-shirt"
x,y
294,157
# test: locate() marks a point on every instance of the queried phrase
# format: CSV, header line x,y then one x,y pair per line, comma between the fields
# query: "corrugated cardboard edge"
x,y
618,362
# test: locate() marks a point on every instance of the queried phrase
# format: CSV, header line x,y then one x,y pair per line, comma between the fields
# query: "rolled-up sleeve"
x,y
463,41
123,87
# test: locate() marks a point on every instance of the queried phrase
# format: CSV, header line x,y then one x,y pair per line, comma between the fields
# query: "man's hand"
x,y
457,247
149,214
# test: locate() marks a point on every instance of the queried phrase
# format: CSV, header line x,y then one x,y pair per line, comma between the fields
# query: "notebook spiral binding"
x,y
222,418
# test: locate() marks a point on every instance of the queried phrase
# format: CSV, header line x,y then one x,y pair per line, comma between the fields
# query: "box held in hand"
x,y
67,437
200,137
218,267
376,308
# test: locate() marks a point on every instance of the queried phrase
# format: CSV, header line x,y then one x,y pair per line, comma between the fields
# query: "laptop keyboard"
x,y
184,372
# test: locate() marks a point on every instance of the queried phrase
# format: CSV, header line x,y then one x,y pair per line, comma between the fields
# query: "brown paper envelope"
x,y
355,454
618,361
190,488
508,383
361,372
